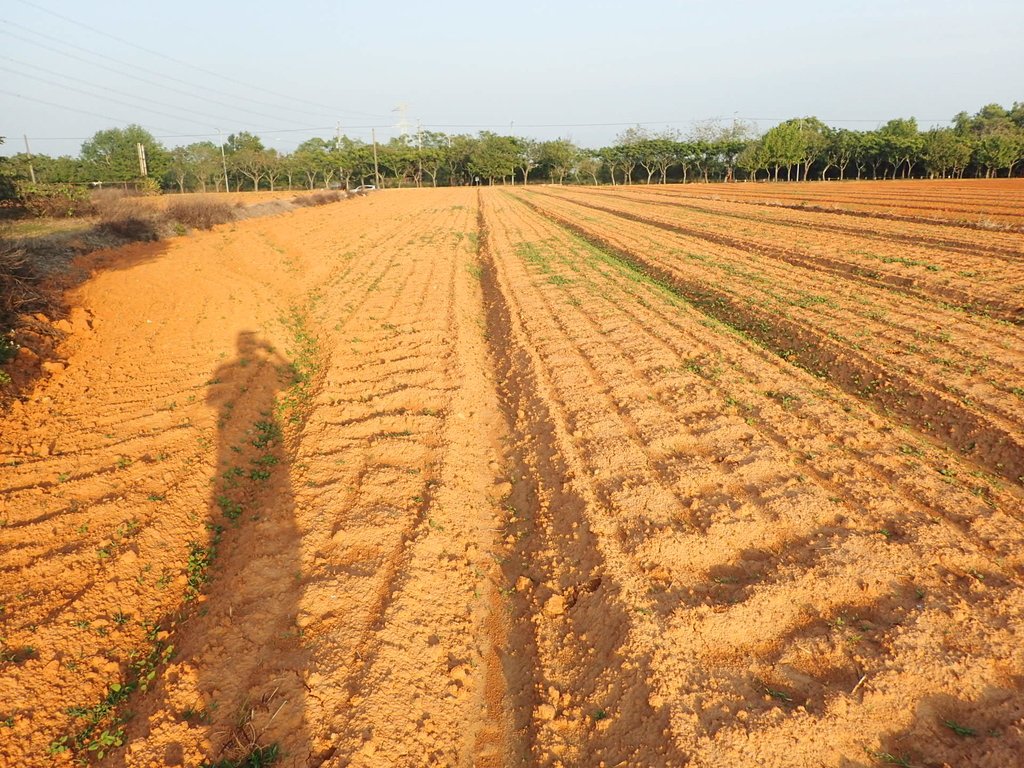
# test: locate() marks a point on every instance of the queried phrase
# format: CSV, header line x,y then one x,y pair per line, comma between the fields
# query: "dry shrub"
x,y
200,213
19,291
318,198
129,219
104,196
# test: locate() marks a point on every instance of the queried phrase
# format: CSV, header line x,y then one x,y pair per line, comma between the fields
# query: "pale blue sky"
x,y
295,69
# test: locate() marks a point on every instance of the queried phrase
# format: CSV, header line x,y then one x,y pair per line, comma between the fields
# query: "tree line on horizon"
x,y
988,144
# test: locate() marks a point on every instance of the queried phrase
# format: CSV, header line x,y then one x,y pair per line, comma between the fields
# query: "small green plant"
x,y
106,741
891,759
196,571
959,730
259,757
778,695
267,433
232,509
8,349
195,715
17,655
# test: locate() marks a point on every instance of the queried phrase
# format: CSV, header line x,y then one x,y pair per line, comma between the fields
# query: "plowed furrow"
x,y
889,238
965,275
934,403
857,474
396,598
570,579
606,367
969,209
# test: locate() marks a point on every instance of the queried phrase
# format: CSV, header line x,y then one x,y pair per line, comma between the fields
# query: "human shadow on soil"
x,y
235,686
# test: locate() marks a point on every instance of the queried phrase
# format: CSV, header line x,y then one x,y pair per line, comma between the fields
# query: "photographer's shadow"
x,y
235,684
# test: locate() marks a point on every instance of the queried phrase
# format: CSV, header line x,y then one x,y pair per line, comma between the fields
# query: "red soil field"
x,y
633,476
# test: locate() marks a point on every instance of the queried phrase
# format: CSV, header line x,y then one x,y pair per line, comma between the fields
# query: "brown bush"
x,y
318,198
200,213
129,219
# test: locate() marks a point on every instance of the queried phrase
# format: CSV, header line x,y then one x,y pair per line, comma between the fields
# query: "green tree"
x,y
945,152
628,147
657,153
458,158
588,164
399,158
246,156
528,157
557,158
494,156
840,151
180,167
274,167
311,158
111,155
901,144
783,147
753,158
207,164
433,153
999,148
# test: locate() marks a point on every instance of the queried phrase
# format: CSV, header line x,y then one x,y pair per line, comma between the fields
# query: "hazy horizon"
x,y
583,71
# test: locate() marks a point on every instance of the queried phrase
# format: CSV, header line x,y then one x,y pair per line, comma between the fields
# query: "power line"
x,y
77,89
72,109
106,88
192,66
190,94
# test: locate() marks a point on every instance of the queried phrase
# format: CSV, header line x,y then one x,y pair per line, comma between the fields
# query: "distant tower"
x,y
403,126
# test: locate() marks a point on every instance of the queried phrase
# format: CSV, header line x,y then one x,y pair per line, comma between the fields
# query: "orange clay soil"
x,y
444,477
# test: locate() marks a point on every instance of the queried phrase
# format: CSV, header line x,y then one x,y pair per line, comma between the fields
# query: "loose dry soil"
x,y
639,476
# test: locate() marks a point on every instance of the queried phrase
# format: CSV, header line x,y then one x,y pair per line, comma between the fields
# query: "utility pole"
x,y
376,173
28,151
337,148
419,153
141,150
224,162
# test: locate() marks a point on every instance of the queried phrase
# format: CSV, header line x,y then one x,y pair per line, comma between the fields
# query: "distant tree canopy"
x,y
987,144
112,155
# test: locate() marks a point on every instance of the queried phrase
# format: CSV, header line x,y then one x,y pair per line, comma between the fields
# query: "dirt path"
x,y
443,477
